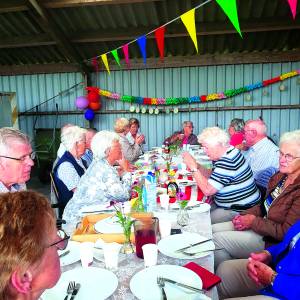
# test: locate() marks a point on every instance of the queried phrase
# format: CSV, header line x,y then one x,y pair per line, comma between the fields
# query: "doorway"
x,y
8,110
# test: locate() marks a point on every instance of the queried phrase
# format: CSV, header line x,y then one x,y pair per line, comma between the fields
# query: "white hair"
x,y
214,136
8,135
120,125
291,137
71,135
102,141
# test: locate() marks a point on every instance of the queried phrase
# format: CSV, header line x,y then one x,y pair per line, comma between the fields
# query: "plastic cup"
x,y
164,228
164,201
86,250
111,255
150,254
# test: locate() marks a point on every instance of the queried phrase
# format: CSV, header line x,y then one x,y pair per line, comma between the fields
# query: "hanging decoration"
x,y
188,18
104,59
81,102
293,7
196,99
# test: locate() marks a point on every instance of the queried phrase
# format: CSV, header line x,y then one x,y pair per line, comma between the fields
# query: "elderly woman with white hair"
x,y
230,181
102,182
131,151
70,167
266,223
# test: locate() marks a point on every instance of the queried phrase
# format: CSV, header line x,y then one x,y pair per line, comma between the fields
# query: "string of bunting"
x,y
195,99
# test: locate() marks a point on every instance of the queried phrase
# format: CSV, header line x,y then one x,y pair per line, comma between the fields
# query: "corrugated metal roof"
x,y
71,31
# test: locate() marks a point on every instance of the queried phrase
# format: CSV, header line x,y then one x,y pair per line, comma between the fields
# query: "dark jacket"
x,y
192,139
283,212
64,194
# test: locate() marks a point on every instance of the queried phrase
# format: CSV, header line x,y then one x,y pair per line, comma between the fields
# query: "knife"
x,y
64,254
183,285
192,245
75,291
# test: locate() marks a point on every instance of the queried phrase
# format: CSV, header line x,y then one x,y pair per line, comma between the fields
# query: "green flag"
x,y
116,56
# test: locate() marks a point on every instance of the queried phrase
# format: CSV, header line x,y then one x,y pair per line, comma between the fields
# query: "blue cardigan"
x,y
287,282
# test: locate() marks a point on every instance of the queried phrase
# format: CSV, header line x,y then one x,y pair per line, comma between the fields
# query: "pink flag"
x,y
293,6
126,54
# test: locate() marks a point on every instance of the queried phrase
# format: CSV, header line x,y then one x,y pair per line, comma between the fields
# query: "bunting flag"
x,y
229,8
142,44
188,20
197,99
116,56
104,59
293,7
160,41
95,64
126,54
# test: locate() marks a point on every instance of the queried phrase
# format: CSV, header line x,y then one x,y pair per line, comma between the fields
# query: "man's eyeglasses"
x,y
63,242
22,158
287,157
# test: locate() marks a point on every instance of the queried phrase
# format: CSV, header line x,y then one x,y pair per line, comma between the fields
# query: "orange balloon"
x,y
95,105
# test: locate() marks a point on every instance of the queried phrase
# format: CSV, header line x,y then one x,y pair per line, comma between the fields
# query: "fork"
x,y
70,288
161,283
196,253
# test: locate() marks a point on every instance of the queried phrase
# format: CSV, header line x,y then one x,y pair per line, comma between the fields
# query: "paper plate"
x,y
109,225
171,243
144,286
96,284
72,257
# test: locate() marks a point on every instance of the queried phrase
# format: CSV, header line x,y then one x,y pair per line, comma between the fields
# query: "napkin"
x,y
208,278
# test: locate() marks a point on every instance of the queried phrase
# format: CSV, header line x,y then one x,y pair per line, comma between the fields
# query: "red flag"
x,y
160,40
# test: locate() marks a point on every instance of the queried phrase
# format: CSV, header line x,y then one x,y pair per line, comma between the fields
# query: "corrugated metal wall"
x,y
175,82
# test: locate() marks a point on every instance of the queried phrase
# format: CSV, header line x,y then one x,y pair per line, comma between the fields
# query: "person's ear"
x,y
21,281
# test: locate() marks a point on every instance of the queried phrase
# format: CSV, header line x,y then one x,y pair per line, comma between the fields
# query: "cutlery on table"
x,y
75,291
70,288
182,285
192,245
64,254
203,251
161,284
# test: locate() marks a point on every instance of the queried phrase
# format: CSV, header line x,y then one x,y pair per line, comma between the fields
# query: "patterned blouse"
x,y
100,184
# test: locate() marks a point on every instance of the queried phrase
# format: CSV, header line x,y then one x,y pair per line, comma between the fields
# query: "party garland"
x,y
195,99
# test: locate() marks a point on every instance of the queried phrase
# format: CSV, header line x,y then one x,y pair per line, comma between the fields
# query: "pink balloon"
x,y
81,102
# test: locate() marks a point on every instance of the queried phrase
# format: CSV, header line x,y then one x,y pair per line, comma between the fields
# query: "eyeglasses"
x,y
287,157
63,242
22,158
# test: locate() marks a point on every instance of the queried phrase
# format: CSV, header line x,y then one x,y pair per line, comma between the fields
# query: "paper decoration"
x,y
188,20
142,44
160,41
95,64
229,8
195,99
104,59
116,56
293,7
126,54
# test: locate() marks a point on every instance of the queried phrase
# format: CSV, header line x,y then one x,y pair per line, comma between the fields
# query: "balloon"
x,y
94,105
89,114
93,97
81,102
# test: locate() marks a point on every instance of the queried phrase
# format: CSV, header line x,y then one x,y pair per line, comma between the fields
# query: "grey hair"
x,y
102,142
9,134
185,123
214,136
291,137
71,135
258,125
120,125
237,124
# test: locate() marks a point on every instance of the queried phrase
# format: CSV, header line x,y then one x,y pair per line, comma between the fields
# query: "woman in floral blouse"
x,y
102,182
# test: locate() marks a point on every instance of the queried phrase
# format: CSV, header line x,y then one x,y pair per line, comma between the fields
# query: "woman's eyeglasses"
x,y
63,242
287,157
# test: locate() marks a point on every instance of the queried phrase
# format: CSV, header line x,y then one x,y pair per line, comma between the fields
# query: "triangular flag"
x,y
126,54
188,20
293,6
142,44
116,56
160,40
229,8
95,64
104,59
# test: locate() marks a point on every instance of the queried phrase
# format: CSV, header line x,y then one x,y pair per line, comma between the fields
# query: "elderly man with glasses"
x,y
16,160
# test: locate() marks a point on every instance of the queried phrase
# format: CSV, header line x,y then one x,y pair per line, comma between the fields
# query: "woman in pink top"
x,y
236,132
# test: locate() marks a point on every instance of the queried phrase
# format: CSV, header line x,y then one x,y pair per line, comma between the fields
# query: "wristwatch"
x,y
194,170
273,278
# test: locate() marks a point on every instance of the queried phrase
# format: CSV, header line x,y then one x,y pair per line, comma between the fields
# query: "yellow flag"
x,y
188,20
104,59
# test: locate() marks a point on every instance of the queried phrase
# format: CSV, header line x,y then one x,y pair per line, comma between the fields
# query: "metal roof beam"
x,y
62,42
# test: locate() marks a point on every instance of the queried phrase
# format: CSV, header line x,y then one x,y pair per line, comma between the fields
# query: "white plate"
x,y
109,225
204,207
171,243
71,257
175,205
185,182
96,208
96,284
144,286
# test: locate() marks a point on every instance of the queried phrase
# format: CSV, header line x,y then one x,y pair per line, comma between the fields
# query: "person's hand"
x,y
243,222
263,256
189,160
259,272
180,136
140,139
